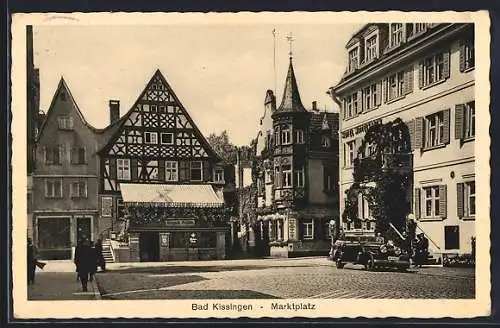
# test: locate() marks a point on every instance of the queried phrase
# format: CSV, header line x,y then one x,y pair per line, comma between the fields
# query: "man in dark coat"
x,y
84,261
31,261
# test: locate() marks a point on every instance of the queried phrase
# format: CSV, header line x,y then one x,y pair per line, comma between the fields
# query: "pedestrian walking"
x,y
93,268
100,258
84,261
32,259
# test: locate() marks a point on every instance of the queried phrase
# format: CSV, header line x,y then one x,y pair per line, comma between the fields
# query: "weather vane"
x,y
290,39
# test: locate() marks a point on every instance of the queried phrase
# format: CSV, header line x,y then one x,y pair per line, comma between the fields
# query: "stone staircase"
x,y
107,251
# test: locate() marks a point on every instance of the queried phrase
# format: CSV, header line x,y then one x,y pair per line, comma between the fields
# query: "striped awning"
x,y
170,195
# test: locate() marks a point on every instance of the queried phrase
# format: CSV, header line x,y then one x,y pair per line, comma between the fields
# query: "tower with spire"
x,y
296,178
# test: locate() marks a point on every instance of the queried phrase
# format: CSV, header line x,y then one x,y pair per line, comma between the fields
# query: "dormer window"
x,y
396,34
353,59
416,29
371,48
65,123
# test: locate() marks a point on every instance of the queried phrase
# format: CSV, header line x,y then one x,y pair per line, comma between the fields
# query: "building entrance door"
x,y
83,228
149,246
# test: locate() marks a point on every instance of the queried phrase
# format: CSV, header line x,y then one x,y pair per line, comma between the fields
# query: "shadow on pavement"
x,y
191,269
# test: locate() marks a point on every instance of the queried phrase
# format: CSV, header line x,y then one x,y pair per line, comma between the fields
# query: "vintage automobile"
x,y
370,251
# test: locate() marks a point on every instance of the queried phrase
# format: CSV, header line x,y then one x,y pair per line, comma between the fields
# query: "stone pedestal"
x,y
221,245
133,241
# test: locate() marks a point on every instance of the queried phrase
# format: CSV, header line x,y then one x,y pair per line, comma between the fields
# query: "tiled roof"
x,y
318,118
188,195
291,98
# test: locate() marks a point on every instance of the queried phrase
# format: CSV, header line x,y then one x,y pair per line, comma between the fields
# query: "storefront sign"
x,y
360,129
107,206
180,222
292,228
164,239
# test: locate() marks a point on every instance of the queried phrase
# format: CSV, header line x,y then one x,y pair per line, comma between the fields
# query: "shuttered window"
x,y
466,199
434,201
434,69
467,55
371,97
437,130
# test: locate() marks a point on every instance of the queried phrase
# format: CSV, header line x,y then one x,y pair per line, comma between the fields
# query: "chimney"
x,y
315,107
114,111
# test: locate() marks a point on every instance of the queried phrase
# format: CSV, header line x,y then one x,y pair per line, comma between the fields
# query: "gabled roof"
x,y
318,121
119,124
291,98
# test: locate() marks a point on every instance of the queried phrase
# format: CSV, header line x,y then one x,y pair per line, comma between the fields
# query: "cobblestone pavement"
x,y
280,278
60,286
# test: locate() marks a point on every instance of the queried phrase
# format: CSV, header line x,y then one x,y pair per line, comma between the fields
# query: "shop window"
x,y
54,233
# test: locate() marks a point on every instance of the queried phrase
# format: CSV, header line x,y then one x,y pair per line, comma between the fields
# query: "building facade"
x,y
160,183
65,179
423,75
296,176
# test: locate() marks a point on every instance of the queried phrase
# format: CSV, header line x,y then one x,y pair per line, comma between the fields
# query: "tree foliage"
x,y
382,175
223,147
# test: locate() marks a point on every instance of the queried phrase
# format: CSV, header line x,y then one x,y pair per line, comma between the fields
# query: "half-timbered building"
x,y
161,184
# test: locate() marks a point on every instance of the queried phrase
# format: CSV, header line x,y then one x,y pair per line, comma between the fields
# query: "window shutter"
x,y
442,201
183,170
421,74
379,93
446,64
460,200
360,103
419,132
384,90
409,80
411,132
446,126
459,121
134,165
462,56
112,168
161,170
301,228
417,203
206,172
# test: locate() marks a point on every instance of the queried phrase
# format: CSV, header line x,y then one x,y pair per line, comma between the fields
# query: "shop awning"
x,y
170,195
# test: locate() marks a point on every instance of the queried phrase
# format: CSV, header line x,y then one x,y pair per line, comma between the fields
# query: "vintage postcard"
x,y
225,165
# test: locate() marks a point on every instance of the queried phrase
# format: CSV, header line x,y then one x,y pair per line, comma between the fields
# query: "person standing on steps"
x,y
84,261
100,258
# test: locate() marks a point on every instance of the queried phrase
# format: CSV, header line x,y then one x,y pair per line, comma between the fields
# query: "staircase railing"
x,y
427,236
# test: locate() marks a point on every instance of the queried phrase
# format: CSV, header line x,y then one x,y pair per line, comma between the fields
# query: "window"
x,y
123,169
268,177
53,155
466,196
419,28
107,206
470,119
277,137
325,141
78,189
65,123
299,136
162,109
328,185
349,153
167,138
351,106
370,100
434,130
308,229
53,188
219,174
78,155
171,171
470,199
371,49
396,36
467,55
196,170
431,201
299,178
370,149
151,137
285,136
395,87
451,237
434,69
287,175
154,109
277,177
353,59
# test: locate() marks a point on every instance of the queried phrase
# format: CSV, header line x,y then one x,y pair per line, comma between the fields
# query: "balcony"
x,y
398,163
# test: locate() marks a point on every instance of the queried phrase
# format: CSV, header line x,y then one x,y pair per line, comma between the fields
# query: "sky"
x,y
219,72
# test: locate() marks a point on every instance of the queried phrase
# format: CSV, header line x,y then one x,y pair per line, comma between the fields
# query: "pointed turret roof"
x,y
291,98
